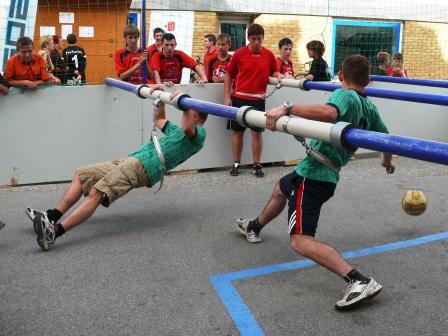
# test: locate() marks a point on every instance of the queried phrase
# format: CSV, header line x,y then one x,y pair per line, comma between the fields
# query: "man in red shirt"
x,y
284,63
129,61
210,53
157,46
26,69
218,65
168,64
249,71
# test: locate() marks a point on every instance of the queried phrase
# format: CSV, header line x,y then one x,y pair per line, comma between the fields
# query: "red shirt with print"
x,y
208,57
124,60
218,68
285,68
251,71
170,69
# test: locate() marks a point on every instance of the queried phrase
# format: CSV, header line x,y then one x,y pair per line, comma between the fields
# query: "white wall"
x,y
430,10
46,134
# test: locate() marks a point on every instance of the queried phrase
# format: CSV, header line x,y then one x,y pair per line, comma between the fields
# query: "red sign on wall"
x,y
170,26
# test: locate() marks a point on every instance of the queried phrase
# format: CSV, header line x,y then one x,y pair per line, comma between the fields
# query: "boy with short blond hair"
x,y
218,66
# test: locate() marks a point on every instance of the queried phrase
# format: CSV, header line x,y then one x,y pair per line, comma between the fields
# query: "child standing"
x,y
397,69
319,68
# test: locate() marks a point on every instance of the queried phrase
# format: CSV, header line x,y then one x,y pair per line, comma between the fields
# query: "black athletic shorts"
x,y
238,102
305,199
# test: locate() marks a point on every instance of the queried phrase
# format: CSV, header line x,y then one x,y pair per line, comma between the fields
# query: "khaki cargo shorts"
x,y
113,178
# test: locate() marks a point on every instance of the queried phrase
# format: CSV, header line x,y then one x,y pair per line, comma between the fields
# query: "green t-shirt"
x,y
176,148
354,108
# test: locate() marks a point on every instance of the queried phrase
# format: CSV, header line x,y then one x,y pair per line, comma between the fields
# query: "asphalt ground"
x,y
163,264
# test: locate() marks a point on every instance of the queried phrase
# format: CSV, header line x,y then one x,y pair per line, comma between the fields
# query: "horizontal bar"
x,y
219,110
410,81
426,150
420,149
372,92
121,85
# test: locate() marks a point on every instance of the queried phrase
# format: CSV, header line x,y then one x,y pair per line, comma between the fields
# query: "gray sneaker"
x,y
251,236
45,232
358,291
32,213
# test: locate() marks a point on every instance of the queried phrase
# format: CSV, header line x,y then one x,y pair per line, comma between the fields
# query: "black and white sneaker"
x,y
358,291
235,170
45,232
32,213
251,236
258,170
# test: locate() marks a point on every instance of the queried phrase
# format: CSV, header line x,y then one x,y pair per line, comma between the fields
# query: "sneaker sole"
x,y
355,304
41,241
243,232
29,215
32,219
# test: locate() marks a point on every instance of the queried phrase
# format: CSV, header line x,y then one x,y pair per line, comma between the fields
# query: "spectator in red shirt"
x,y
26,69
248,73
168,64
157,46
129,61
284,63
397,69
210,53
218,66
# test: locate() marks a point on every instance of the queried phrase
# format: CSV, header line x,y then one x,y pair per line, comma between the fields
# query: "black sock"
x,y
54,215
255,226
58,230
354,275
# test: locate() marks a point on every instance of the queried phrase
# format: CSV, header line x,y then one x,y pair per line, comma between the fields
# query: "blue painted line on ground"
x,y
242,316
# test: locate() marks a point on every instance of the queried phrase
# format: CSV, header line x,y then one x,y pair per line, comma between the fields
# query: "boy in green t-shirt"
x,y
104,183
312,183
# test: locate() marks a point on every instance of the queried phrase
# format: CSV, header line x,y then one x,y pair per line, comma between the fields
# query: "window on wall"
x,y
365,38
237,32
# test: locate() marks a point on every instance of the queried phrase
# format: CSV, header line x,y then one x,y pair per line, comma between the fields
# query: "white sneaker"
x,y
45,232
251,236
358,291
32,213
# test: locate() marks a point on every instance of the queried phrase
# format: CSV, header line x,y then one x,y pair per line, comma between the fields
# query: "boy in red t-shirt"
x,y
218,66
129,61
248,73
284,63
168,64
210,53
157,46
397,69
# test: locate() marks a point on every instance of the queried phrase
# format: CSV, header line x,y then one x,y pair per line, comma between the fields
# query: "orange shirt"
x,y
32,71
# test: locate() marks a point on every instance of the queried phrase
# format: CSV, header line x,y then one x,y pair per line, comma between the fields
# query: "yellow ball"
x,y
414,202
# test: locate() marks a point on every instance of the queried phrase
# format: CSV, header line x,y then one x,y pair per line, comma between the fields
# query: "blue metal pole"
x,y
143,40
219,110
425,150
122,85
411,81
388,94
